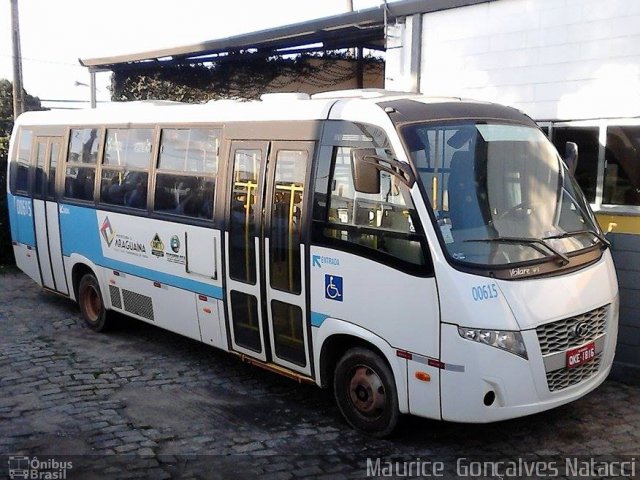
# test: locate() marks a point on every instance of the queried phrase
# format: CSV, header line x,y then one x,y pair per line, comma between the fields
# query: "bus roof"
x,y
356,105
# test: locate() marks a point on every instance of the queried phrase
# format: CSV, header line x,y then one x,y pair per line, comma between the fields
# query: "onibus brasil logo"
x,y
21,467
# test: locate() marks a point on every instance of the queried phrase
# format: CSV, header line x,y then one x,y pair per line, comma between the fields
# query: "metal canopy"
x,y
364,28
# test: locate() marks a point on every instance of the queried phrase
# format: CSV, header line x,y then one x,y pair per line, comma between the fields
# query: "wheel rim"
x,y
366,391
92,303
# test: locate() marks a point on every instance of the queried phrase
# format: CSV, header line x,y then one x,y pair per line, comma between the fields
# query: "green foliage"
x,y
241,76
6,125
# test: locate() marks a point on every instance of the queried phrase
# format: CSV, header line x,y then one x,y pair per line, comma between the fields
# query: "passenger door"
x,y
45,211
265,261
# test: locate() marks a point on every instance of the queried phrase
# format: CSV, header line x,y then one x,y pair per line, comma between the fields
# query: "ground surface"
x,y
171,407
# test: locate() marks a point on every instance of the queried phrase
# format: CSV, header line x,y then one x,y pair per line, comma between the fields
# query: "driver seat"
x,y
464,206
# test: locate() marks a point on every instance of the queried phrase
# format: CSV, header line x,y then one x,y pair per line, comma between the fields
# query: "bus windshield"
x,y
500,193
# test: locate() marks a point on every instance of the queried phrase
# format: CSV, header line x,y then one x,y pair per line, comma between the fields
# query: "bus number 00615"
x,y
484,292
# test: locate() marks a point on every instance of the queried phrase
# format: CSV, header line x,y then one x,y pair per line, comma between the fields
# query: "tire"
x,y
91,303
365,391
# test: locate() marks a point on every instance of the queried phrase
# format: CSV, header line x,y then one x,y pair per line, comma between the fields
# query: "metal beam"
x,y
367,26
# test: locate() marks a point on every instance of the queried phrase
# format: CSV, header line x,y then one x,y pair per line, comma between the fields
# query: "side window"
x,y
187,170
81,164
125,166
588,147
39,185
622,173
286,219
21,175
384,224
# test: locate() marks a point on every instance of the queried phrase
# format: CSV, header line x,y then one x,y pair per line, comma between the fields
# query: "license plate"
x,y
581,355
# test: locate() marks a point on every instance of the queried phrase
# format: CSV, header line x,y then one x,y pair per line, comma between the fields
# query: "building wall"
x,y
626,255
561,61
554,59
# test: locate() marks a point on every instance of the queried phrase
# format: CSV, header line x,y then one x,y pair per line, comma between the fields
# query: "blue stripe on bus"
x,y
22,230
79,227
318,318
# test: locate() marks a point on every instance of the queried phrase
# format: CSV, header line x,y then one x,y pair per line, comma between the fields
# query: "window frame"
x,y
155,170
14,165
325,166
61,196
598,206
102,166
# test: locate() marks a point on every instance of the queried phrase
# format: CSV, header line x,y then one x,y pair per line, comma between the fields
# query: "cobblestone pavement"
x,y
141,402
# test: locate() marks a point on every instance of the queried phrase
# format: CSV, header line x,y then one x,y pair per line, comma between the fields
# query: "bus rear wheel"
x,y
91,303
365,392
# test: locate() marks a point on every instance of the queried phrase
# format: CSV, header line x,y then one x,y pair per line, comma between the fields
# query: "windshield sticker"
x,y
484,292
446,233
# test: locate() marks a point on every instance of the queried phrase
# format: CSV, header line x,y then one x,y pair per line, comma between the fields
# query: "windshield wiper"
x,y
532,242
595,233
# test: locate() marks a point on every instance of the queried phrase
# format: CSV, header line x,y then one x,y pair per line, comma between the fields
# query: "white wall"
x,y
554,59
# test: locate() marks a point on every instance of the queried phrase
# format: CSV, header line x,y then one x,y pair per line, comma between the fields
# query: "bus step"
x,y
272,367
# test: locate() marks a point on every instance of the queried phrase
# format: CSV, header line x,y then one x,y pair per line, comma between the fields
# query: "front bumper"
x,y
521,387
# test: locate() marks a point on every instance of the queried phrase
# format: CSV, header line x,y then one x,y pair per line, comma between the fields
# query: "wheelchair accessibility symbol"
x,y
333,287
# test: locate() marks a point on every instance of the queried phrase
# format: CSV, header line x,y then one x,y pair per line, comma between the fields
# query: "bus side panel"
x,y
397,307
149,261
23,235
171,308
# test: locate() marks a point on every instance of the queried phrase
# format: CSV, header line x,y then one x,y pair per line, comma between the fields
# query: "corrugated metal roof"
x,y
364,28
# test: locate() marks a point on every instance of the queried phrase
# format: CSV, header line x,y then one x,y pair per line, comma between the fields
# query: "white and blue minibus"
x,y
431,257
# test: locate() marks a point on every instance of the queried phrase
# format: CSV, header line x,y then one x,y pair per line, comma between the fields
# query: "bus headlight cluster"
x,y
505,340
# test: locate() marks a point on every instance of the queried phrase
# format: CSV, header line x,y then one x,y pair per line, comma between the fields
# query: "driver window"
x,y
385,222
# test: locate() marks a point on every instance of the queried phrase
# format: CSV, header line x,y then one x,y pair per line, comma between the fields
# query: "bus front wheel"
x,y
365,392
91,303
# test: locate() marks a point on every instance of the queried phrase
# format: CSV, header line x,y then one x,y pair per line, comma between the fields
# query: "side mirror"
x,y
571,156
366,165
366,175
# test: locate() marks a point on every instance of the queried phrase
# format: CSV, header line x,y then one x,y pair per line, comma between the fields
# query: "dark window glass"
x,y
286,220
81,160
622,173
83,146
246,323
53,164
588,145
186,195
128,147
78,182
385,222
288,332
41,152
190,150
23,160
124,188
246,168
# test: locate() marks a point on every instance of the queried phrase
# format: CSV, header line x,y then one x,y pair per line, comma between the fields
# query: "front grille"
x,y
556,336
138,304
565,377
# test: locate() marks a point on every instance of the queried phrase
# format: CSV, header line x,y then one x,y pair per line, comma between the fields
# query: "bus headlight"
x,y
505,340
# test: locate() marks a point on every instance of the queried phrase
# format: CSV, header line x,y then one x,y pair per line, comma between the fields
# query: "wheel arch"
x,y
335,337
78,267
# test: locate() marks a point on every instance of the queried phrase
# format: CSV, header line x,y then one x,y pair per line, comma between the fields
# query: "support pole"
x,y
416,53
18,91
92,88
359,67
